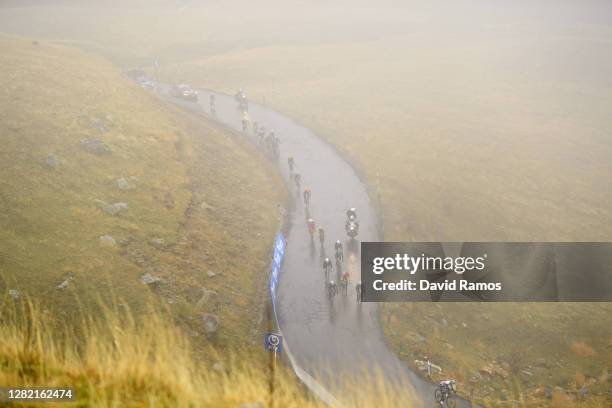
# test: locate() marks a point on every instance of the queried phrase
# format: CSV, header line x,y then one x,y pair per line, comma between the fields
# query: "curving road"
x,y
342,337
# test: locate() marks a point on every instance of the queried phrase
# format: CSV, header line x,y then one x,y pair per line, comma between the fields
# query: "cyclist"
x,y
307,194
321,235
339,252
445,393
211,101
344,280
351,214
290,162
332,290
262,134
338,246
297,178
311,226
245,121
358,291
327,267
255,128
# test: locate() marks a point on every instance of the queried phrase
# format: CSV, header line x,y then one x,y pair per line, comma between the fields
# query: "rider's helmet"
x,y
338,243
351,213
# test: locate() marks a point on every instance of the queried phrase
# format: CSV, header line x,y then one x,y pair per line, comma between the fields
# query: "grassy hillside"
x,y
480,125
77,139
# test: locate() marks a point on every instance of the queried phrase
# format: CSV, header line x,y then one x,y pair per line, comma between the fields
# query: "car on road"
x,y
185,92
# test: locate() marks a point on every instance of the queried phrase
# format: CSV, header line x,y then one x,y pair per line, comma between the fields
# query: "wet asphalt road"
x,y
342,336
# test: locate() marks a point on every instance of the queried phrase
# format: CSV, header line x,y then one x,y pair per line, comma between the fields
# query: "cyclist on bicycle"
x,y
297,178
445,393
311,226
290,162
245,121
332,290
321,235
327,267
339,252
344,280
307,195
211,100
358,291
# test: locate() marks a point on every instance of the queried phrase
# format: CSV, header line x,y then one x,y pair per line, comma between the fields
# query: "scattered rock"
x,y
121,206
123,184
444,322
211,323
95,146
487,369
211,274
208,296
52,161
218,367
475,377
206,206
541,362
65,284
149,279
464,324
158,242
14,293
111,209
107,240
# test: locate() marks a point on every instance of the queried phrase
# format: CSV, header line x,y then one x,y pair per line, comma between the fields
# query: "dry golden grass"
x,y
115,360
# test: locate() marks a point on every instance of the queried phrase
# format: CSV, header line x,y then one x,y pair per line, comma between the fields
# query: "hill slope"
x,y
101,184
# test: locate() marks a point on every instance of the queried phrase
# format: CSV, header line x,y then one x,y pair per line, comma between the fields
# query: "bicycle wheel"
x,y
438,395
450,401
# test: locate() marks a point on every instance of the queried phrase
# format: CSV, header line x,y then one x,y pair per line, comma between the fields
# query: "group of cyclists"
x,y
267,140
332,287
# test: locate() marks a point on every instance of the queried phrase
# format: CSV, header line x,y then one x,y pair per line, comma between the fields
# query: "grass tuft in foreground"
x,y
116,360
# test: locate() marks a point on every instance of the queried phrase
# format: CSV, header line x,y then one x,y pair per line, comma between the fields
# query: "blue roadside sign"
x,y
279,252
273,342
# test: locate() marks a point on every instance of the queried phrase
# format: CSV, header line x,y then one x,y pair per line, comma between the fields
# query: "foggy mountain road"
x,y
327,339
